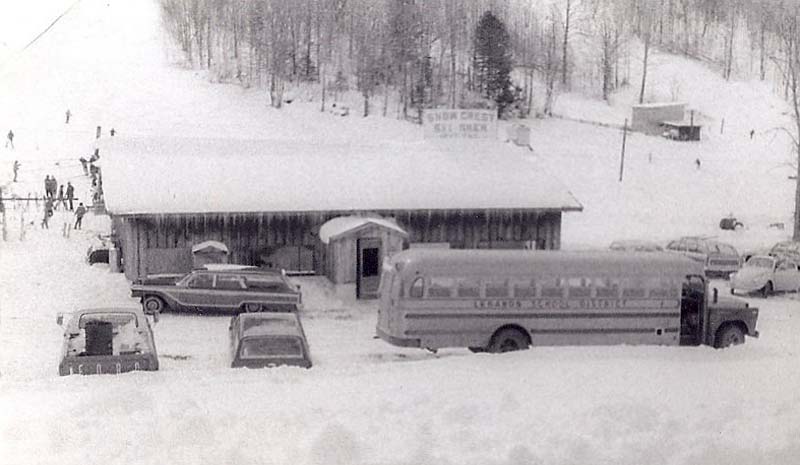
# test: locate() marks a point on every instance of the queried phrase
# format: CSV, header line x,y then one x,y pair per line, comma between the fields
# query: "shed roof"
x,y
181,175
659,105
210,246
338,226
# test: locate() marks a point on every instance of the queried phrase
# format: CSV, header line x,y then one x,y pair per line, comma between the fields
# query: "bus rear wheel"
x,y
508,340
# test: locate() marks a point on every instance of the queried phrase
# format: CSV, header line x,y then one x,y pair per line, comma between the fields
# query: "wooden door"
x,y
368,272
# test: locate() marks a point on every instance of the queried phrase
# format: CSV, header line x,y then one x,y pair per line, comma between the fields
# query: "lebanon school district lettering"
x,y
574,304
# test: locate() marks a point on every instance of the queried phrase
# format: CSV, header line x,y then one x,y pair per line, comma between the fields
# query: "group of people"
x,y
64,198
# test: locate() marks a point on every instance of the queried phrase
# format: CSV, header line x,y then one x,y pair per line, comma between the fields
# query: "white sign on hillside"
x,y
460,124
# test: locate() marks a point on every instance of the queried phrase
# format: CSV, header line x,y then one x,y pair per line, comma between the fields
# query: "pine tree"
x,y
492,61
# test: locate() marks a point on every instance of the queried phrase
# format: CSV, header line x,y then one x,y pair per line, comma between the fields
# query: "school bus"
x,y
502,300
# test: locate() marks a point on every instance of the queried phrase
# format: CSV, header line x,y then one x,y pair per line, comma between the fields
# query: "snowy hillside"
x,y
364,401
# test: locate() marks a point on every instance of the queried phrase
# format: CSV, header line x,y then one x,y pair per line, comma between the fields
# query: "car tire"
x,y
729,335
153,304
766,290
252,308
508,340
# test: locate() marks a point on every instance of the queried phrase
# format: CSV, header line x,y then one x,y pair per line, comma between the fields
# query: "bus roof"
x,y
473,261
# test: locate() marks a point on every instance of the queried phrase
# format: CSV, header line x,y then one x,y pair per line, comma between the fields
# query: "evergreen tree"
x,y
492,61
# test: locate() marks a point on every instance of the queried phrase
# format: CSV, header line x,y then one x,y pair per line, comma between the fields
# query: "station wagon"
x,y
224,290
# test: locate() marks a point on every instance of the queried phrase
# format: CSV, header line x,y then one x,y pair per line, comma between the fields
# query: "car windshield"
x,y
272,347
268,323
760,262
116,319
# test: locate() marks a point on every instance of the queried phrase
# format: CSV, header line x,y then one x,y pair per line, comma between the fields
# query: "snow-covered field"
x,y
365,401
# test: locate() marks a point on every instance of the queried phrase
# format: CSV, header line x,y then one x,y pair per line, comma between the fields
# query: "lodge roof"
x,y
179,175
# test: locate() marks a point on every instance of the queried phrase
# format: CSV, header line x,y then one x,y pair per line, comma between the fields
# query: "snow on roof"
x,y
340,225
658,104
682,123
182,175
210,245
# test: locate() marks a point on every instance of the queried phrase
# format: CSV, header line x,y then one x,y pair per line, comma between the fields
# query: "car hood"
x,y
726,302
749,274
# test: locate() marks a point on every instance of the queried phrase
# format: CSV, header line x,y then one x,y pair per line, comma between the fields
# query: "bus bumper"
x,y
397,341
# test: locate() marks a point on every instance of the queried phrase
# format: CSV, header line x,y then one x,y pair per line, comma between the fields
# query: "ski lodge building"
x,y
333,210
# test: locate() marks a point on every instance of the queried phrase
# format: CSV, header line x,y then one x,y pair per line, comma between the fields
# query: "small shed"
x,y
209,252
355,249
647,117
682,130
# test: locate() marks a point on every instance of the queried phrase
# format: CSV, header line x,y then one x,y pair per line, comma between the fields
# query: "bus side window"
x,y
662,288
441,287
417,288
579,287
552,287
496,289
468,288
633,289
606,288
524,288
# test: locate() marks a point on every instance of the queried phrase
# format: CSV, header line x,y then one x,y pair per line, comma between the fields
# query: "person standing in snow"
x,y
79,212
697,162
47,185
70,194
16,168
61,197
53,186
48,212
10,138
67,114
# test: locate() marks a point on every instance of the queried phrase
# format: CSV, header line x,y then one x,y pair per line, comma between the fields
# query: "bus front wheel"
x,y
729,335
508,340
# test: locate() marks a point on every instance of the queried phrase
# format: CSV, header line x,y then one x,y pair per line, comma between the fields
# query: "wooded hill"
x,y
424,51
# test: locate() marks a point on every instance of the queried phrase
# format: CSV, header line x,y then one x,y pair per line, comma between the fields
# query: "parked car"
x,y
767,274
107,341
238,290
787,249
259,340
718,259
98,249
635,246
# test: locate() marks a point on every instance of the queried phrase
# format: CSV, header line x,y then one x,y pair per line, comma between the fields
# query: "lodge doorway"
x,y
368,274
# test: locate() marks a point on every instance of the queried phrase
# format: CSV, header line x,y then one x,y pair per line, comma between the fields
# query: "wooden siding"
x,y
341,253
248,234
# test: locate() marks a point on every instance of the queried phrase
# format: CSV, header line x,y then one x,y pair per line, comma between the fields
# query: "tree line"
x,y
512,55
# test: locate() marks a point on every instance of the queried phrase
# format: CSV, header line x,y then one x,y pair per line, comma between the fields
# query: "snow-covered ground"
x,y
365,401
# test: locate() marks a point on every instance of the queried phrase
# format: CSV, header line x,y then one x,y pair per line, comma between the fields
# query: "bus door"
x,y
693,306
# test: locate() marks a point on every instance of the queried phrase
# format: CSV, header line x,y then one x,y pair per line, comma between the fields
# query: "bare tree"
x,y
788,30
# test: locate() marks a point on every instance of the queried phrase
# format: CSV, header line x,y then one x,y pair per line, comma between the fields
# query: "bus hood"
x,y
730,303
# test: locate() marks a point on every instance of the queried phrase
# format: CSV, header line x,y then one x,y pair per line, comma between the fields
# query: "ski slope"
x,y
364,401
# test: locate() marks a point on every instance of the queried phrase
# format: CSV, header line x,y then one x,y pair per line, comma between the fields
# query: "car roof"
x,y
269,324
242,271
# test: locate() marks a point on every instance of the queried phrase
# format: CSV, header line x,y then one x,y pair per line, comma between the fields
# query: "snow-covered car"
x,y
767,274
98,249
718,259
240,290
107,341
786,249
635,246
259,340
